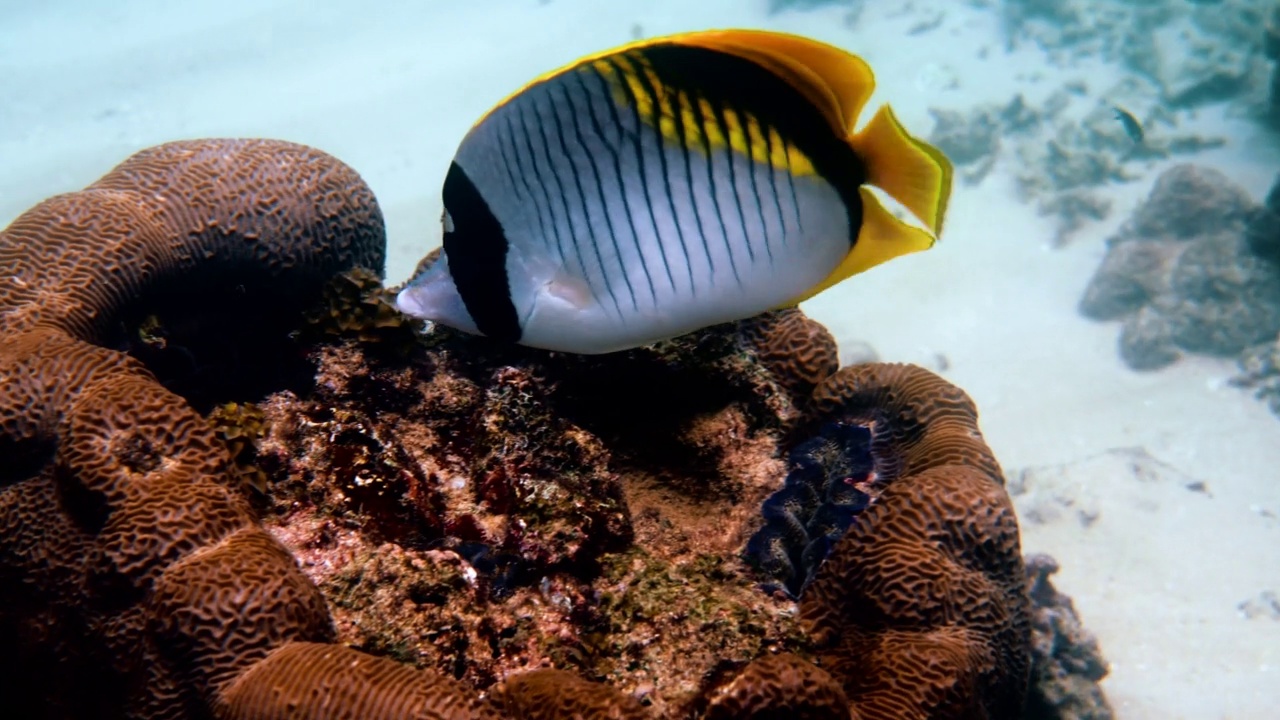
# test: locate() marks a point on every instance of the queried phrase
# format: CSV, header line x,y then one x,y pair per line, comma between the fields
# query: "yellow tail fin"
x,y
882,237
911,171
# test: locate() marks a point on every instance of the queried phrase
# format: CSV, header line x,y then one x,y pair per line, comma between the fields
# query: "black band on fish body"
x,y
746,86
476,250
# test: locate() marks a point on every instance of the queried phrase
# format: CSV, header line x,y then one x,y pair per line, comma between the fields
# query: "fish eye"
x,y
446,220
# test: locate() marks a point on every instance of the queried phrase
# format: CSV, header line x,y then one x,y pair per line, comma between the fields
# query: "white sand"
x,y
1161,571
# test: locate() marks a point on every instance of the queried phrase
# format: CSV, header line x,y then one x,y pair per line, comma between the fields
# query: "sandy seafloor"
x,y
1160,572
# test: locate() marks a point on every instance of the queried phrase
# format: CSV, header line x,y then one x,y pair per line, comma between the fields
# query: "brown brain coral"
x,y
137,580
921,609
780,684
182,214
799,351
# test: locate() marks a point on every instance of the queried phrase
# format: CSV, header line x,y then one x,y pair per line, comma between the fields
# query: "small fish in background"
x,y
671,184
1132,127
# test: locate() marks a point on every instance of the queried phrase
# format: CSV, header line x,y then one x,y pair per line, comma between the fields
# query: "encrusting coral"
x,y
458,529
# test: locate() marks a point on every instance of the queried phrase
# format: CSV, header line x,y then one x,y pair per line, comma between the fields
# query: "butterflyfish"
x,y
672,184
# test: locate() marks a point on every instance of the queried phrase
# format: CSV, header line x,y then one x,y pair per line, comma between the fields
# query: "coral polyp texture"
x,y
457,528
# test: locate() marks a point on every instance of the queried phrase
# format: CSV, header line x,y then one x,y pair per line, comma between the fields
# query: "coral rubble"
x,y
1191,271
1194,54
1062,159
441,525
1173,59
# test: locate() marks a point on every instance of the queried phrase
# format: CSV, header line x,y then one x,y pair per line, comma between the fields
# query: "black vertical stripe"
x,y
720,112
683,136
526,134
711,180
663,167
574,113
791,185
616,149
743,121
767,133
512,149
544,143
619,182
582,199
476,251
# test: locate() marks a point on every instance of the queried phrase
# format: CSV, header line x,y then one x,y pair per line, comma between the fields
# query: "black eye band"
x,y
476,249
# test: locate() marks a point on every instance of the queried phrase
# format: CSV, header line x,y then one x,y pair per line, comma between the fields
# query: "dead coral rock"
x,y
921,609
782,685
972,138
495,466
1132,275
1194,67
1066,664
552,694
1184,273
606,626
1263,230
1186,202
479,499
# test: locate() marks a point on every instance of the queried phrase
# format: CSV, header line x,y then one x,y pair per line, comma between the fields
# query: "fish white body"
x,y
626,200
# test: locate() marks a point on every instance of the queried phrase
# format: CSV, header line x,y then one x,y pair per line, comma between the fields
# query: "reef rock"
x,y
1066,663
1260,372
1184,274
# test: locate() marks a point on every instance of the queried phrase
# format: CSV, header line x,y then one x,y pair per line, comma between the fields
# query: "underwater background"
x,y
1131,395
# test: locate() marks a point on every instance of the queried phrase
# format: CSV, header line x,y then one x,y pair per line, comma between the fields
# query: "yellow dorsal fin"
x,y
837,82
882,237
911,171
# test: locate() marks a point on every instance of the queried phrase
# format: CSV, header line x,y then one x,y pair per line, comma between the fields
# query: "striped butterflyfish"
x,y
671,184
